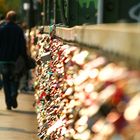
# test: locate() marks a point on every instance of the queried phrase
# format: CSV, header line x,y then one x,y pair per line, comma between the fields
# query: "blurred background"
x,y
94,89
73,12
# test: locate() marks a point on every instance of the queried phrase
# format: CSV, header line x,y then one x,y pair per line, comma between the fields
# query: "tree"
x,y
3,7
6,5
13,4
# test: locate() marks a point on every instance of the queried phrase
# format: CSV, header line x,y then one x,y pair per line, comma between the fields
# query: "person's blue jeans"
x,y
10,83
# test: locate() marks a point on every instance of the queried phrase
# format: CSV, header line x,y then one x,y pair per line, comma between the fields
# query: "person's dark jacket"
x,y
12,42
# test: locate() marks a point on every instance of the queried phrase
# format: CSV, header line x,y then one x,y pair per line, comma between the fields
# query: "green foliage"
x,y
13,4
6,5
3,6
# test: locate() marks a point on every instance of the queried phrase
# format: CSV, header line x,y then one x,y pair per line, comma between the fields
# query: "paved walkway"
x,y
20,123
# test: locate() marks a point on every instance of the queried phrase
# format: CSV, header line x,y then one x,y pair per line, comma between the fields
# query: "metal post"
x,y
54,12
68,13
44,12
48,12
100,11
31,21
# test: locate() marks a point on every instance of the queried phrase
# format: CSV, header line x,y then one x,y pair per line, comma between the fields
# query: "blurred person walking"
x,y
2,22
25,85
12,45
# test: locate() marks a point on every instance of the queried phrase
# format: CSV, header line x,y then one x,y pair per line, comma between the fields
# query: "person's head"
x,y
11,16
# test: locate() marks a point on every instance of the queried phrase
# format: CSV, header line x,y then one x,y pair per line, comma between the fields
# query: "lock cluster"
x,y
81,95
